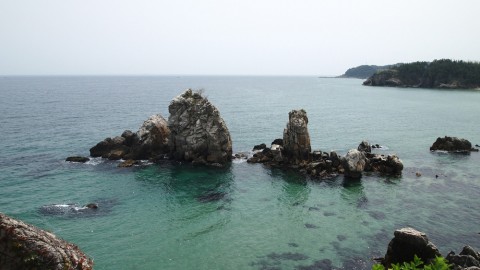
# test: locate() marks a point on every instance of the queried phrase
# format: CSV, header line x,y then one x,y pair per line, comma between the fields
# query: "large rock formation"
x,y
149,142
23,246
407,243
452,144
296,140
294,152
197,132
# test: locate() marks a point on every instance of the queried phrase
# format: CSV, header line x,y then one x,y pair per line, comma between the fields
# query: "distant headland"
x,y
363,71
443,73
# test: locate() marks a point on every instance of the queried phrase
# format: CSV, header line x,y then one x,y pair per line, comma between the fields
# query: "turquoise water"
x,y
150,216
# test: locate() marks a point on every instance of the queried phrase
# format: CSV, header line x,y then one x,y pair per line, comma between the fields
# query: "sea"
x,y
155,216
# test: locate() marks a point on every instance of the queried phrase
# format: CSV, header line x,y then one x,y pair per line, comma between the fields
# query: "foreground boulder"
x,y
197,132
149,142
296,140
452,144
407,243
23,246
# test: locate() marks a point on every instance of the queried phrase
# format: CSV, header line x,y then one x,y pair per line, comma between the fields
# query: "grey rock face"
x,y
151,139
296,139
407,243
23,246
354,163
197,132
148,142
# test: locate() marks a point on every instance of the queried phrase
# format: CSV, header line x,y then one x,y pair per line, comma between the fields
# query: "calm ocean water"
x,y
150,216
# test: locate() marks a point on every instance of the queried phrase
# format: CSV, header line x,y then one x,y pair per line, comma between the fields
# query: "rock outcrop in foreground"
x,y
452,144
294,152
409,242
197,132
149,142
23,246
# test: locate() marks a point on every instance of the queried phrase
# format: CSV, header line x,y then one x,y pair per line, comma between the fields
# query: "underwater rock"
x,y
197,131
24,246
324,264
452,144
290,256
72,210
211,197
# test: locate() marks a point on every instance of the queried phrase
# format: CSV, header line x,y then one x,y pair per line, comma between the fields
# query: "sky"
x,y
230,37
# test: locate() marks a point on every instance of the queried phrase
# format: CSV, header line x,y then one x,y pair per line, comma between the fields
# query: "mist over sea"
x,y
151,216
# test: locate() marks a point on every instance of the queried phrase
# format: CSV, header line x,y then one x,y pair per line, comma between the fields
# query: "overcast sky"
x,y
227,37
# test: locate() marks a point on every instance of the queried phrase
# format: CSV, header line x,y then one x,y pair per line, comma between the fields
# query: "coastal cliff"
x,y
442,73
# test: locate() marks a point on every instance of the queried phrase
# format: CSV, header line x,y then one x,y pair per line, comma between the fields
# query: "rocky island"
x,y
444,73
294,152
195,132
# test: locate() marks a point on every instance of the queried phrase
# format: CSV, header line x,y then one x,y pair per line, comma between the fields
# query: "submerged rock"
x,y
452,144
296,139
197,131
24,246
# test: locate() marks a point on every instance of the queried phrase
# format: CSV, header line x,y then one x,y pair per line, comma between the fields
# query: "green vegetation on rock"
x,y
444,73
439,263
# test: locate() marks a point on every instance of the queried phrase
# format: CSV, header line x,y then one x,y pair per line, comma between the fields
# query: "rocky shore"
x,y
408,243
294,152
23,246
